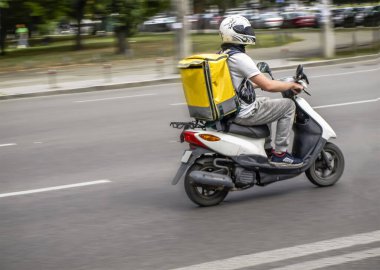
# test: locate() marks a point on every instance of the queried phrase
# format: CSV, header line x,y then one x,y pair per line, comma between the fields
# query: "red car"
x,y
298,19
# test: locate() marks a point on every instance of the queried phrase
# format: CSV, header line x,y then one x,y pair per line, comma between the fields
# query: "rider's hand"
x,y
297,88
303,83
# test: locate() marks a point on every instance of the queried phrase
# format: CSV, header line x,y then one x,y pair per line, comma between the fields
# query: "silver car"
x,y
270,20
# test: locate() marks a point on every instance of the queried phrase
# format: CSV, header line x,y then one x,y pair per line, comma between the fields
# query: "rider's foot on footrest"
x,y
285,160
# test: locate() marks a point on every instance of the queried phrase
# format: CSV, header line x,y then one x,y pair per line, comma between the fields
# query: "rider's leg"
x,y
270,110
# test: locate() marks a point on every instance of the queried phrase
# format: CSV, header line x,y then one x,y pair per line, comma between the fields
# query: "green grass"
x,y
60,51
374,49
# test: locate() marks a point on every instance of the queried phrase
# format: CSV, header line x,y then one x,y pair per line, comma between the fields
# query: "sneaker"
x,y
285,160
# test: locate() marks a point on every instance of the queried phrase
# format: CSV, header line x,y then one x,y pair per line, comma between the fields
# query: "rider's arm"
x,y
275,86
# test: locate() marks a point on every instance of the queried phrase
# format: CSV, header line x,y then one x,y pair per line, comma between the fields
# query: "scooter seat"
x,y
261,131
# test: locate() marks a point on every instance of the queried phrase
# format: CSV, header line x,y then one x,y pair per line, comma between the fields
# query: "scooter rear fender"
x,y
188,162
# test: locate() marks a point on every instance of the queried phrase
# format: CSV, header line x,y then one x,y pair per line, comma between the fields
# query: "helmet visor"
x,y
240,29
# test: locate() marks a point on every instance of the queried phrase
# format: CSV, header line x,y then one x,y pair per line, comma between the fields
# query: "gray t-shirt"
x,y
241,67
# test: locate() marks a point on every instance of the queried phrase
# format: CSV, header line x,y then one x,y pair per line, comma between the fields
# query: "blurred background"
x,y
48,34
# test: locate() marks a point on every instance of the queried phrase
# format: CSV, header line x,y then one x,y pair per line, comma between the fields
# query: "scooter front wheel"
x,y
201,194
322,175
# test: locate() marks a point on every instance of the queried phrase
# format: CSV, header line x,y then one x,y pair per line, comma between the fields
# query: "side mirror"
x,y
300,75
299,71
264,68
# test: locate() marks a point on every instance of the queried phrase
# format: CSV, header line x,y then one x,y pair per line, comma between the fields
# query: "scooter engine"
x,y
244,178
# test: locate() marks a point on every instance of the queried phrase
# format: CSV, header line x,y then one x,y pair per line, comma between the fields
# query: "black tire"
x,y
204,195
319,174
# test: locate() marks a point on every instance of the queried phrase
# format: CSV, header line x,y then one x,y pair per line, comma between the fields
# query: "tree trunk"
x,y
121,43
78,37
80,5
3,32
2,42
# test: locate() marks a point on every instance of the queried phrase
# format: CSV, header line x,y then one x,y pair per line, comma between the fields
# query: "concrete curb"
x,y
176,79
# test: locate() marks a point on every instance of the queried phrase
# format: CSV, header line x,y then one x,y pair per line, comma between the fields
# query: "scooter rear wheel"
x,y
319,173
201,194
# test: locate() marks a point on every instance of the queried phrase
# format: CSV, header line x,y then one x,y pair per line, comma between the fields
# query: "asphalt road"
x,y
134,218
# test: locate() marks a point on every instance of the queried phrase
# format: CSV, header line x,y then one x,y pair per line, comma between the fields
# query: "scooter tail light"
x,y
209,137
189,136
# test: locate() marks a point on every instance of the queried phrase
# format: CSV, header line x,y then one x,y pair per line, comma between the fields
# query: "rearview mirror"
x,y
299,71
300,75
264,68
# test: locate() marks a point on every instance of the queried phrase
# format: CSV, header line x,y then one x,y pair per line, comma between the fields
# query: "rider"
x,y
236,32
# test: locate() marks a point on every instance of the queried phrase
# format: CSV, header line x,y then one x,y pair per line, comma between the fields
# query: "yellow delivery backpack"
x,y
208,88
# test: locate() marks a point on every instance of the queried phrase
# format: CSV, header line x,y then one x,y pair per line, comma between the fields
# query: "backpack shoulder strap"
x,y
229,52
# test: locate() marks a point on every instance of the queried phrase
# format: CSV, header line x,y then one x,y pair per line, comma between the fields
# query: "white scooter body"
x,y
235,145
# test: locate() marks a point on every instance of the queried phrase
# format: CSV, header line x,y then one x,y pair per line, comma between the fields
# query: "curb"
x,y
176,79
94,88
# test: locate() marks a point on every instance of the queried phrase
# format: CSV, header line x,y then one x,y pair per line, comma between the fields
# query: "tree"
x,y
127,14
78,14
12,13
30,13
3,32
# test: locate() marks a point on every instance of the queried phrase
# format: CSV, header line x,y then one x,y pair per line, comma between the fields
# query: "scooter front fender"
x,y
188,162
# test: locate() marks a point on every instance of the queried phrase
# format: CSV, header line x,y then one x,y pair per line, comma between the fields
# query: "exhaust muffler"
x,y
211,179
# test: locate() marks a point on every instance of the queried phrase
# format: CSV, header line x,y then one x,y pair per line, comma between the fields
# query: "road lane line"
x,y
178,104
334,260
344,73
103,181
357,64
111,98
276,255
347,103
7,144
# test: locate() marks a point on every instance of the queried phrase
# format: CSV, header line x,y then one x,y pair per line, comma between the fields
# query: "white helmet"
x,y
237,29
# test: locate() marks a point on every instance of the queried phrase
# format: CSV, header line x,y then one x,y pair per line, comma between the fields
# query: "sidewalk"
x,y
123,74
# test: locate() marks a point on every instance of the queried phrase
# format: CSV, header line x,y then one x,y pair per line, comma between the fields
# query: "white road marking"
x,y
7,144
178,104
334,260
276,255
347,103
103,181
112,98
345,73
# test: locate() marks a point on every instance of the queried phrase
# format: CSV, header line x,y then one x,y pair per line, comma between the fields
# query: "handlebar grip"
x,y
288,94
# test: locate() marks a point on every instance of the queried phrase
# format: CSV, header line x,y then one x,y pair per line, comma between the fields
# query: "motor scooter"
x,y
232,158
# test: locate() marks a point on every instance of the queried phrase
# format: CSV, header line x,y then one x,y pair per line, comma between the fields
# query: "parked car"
x,y
64,28
299,19
158,23
359,15
343,17
372,16
270,20
252,15
210,21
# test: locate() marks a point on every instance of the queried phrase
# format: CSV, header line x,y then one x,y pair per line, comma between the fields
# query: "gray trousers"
x,y
270,110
